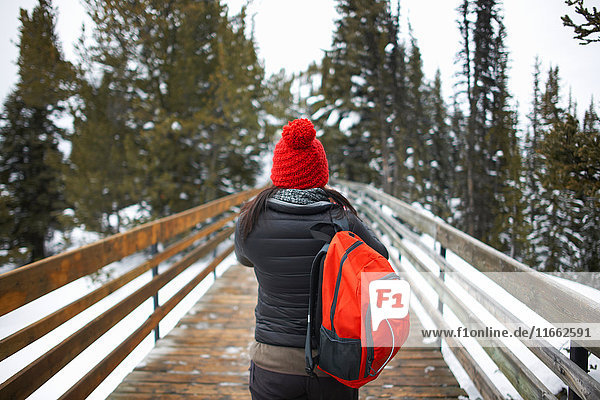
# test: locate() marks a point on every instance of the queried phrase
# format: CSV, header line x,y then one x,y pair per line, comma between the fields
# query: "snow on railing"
x,y
478,291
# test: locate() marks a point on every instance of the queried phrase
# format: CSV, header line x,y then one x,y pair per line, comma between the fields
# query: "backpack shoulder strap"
x,y
315,273
342,223
322,230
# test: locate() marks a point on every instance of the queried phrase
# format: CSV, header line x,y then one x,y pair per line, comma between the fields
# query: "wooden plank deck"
x,y
206,355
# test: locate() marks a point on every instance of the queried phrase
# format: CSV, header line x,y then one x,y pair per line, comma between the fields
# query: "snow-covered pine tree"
x,y
490,160
505,163
31,164
441,155
416,127
195,85
360,77
533,172
552,226
573,170
589,151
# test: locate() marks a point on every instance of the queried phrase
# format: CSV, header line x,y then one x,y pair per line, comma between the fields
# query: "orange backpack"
x,y
339,318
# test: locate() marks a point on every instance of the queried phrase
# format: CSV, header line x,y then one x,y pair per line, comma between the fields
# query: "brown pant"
x,y
268,385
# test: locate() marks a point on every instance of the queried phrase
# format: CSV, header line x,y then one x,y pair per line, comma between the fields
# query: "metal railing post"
x,y
579,355
440,302
154,251
442,277
215,270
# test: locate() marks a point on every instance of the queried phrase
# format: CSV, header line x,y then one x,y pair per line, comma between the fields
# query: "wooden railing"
x,y
539,292
196,233
185,234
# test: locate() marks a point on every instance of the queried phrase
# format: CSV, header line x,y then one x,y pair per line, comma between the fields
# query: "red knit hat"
x,y
299,160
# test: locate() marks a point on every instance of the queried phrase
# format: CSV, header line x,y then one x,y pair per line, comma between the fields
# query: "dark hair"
x,y
252,210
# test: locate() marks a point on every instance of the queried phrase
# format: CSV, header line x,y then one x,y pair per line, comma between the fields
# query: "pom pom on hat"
x,y
299,133
299,160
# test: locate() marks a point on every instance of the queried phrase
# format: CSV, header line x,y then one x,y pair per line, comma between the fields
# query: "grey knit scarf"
x,y
301,196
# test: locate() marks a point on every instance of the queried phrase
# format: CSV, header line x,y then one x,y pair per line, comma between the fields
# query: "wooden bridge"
x,y
205,356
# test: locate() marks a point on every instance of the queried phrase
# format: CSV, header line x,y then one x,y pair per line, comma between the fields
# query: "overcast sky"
x,y
291,34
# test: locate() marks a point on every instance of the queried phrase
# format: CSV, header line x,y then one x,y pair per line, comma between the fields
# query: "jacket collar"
x,y
300,209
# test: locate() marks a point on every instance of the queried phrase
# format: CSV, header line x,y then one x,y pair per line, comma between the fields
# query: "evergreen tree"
x,y
479,213
279,104
380,116
589,31
31,165
554,224
417,125
574,154
589,186
359,80
399,135
195,84
459,126
235,109
572,161
104,177
464,123
440,155
490,163
591,120
534,172
316,88
506,164
573,174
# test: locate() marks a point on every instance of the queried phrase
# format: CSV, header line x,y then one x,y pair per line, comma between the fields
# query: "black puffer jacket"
x,y
281,250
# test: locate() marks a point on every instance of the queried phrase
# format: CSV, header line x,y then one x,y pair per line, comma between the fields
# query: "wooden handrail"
x,y
25,284
524,381
481,381
38,372
18,340
539,292
472,251
586,386
85,386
